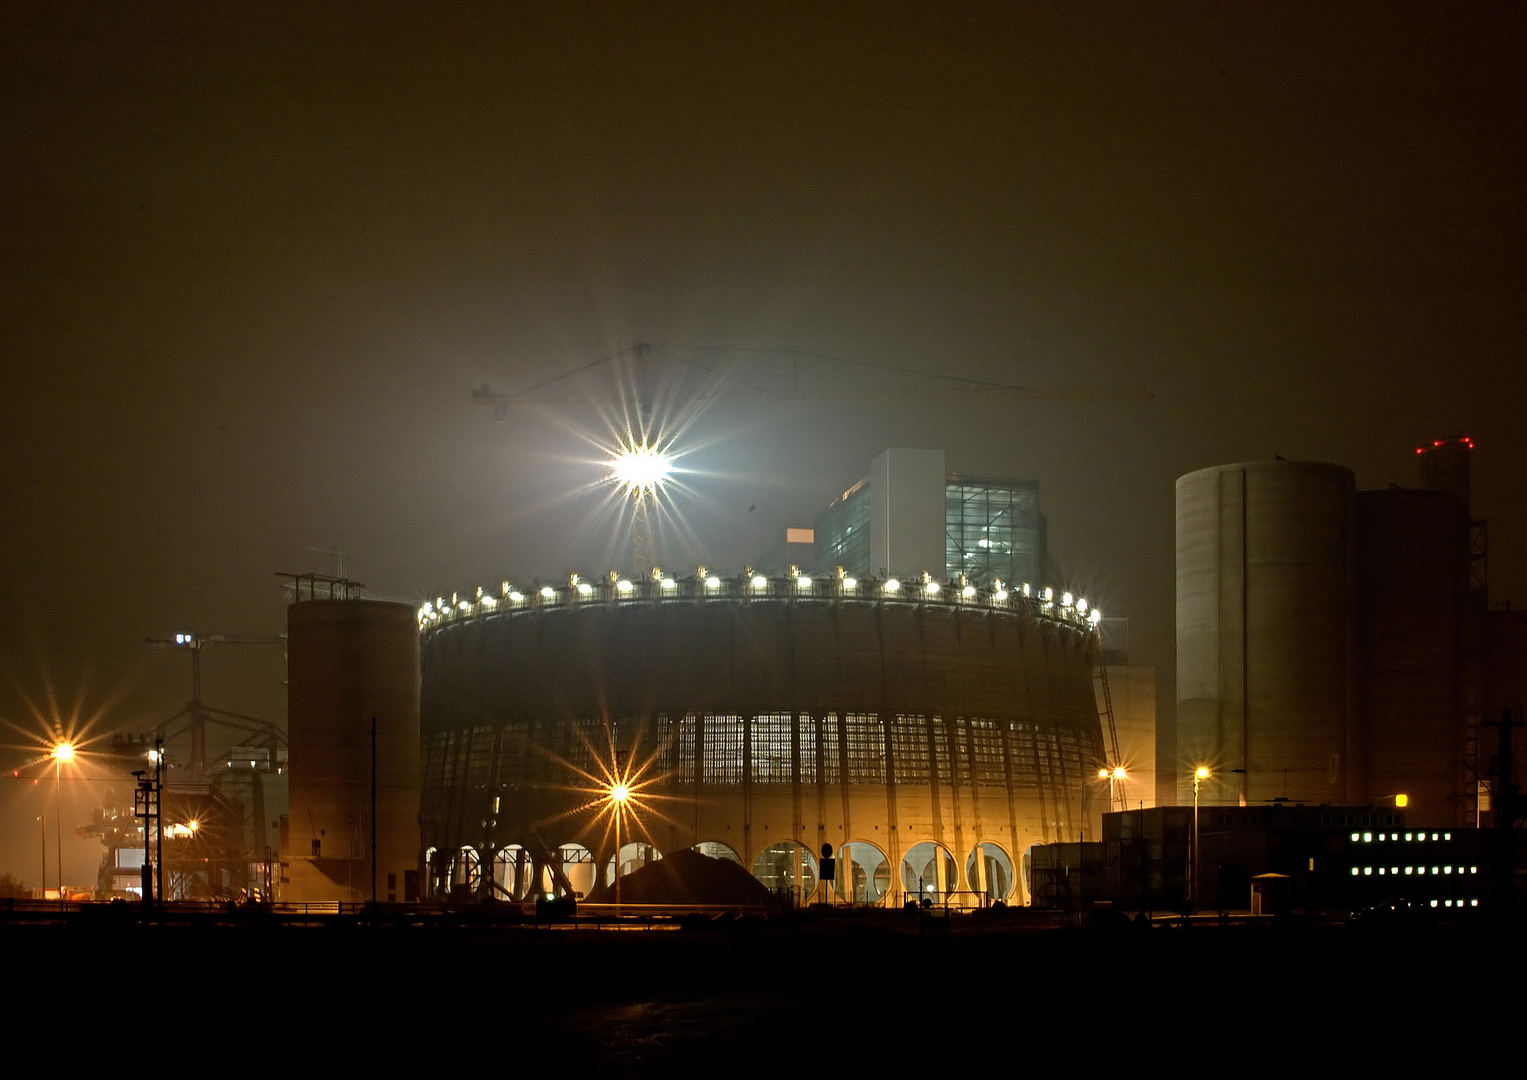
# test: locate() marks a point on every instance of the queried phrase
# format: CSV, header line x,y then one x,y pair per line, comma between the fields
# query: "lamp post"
x,y
1116,775
42,828
61,753
1200,774
619,795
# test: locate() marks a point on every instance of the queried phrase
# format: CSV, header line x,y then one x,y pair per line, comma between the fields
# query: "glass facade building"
x,y
843,532
993,531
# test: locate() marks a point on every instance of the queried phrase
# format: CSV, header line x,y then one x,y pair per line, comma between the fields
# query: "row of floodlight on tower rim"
x,y
660,586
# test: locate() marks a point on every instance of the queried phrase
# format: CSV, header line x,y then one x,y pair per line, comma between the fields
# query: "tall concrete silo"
x,y
352,661
1265,631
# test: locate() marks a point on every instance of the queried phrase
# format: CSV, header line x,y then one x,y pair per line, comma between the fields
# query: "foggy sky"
x,y
255,259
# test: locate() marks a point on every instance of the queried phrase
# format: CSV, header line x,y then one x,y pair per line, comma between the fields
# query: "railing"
x,y
613,590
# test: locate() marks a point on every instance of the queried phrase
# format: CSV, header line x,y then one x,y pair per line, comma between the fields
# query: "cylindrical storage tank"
x,y
349,663
1265,632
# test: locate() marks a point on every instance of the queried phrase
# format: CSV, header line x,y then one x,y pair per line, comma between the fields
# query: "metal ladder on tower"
x,y
1113,734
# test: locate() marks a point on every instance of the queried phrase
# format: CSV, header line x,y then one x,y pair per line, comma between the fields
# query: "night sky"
x,y
254,260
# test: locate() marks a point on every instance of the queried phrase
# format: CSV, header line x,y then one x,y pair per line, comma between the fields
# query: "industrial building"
x,y
930,731
909,516
1307,858
1334,645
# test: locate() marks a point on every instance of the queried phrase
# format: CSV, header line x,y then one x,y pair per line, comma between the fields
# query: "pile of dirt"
x,y
683,878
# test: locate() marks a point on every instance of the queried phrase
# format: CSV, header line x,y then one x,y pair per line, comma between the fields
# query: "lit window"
x,y
1473,903
1354,871
1408,836
1434,870
1355,836
1409,869
548,592
623,587
1447,869
1381,871
1447,836
713,583
1434,836
760,582
1473,869
1434,903
669,583
1367,870
1367,838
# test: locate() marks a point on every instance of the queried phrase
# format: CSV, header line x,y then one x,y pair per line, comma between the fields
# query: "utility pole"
x,y
373,811
158,817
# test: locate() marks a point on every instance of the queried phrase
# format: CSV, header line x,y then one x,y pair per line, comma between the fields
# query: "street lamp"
x,y
1116,775
62,752
1200,774
42,828
619,795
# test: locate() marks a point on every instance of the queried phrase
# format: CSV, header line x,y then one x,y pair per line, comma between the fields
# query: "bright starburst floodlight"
x,y
64,751
640,469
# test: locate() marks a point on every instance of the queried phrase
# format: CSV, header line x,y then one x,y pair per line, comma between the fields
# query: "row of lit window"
x,y
1395,870
1369,837
1069,607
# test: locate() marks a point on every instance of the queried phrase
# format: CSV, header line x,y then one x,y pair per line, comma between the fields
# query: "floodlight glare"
x,y
640,469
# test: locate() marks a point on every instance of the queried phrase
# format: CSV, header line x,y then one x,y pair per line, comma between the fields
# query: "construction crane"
x,y
196,714
957,389
954,390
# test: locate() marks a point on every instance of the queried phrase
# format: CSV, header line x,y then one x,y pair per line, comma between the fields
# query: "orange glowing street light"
x,y
620,794
62,752
1200,774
